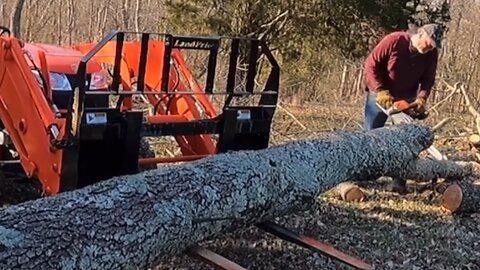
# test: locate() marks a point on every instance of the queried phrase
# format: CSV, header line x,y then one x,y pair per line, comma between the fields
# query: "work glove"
x,y
420,105
419,108
384,99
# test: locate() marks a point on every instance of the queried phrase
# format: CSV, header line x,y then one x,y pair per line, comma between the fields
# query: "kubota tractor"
x,y
62,64
58,118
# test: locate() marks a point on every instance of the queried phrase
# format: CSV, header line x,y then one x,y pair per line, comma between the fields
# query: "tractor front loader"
x,y
69,144
83,143
156,69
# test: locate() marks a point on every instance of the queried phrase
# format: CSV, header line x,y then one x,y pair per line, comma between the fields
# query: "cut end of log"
x,y
355,194
350,192
474,140
452,198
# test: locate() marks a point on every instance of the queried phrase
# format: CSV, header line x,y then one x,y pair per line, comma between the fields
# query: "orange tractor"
x,y
58,119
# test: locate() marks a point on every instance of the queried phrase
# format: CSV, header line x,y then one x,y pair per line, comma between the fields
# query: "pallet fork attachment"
x,y
182,107
219,262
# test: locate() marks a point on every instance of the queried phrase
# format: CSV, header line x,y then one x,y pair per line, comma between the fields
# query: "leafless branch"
x,y
454,89
442,123
287,112
471,109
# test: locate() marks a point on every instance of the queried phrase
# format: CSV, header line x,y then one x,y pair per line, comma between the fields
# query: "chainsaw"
x,y
403,112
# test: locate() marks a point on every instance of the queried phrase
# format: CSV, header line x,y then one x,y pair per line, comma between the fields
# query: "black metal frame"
x,y
234,133
269,94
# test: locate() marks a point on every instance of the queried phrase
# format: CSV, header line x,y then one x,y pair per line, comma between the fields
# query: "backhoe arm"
x,y
28,117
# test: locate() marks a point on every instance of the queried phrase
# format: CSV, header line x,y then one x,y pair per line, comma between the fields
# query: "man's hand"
x,y
420,105
419,109
384,99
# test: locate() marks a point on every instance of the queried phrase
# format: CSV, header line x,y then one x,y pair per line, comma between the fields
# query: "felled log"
x,y
428,170
461,197
130,222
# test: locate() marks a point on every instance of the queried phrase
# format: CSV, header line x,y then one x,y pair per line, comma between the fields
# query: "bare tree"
x,y
16,18
2,10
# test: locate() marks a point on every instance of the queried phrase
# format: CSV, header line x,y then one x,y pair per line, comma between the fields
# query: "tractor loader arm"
x,y
28,117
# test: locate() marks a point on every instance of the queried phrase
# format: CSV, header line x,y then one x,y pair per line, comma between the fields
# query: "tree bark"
x,y
16,18
131,221
2,12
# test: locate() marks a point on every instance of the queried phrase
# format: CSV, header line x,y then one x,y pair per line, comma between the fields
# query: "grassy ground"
x,y
388,230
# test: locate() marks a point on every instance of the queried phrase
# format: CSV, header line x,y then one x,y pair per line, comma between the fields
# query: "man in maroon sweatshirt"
x,y
401,66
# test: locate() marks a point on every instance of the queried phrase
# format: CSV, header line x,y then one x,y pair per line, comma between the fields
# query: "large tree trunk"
x,y
129,222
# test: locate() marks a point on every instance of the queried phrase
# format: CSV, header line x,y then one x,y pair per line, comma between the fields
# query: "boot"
x,y
398,186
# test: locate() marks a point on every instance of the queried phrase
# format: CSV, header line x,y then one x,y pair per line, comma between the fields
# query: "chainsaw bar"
x,y
399,117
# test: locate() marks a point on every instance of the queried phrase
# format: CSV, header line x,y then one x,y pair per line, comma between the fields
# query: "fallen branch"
x,y
442,123
130,222
287,112
453,90
471,109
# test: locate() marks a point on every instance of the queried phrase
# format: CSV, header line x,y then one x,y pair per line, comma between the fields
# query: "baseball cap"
x,y
435,32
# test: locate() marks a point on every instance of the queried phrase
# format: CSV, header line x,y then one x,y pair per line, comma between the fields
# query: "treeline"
x,y
320,43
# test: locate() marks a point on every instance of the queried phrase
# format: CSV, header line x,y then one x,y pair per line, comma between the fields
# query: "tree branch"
x,y
471,109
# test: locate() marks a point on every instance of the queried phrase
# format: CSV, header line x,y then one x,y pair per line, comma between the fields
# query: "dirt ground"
x,y
388,230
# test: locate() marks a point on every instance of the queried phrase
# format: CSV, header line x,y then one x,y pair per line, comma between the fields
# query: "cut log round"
x,y
132,221
349,192
474,140
461,198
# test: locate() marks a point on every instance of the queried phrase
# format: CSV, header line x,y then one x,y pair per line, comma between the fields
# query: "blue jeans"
x,y
374,117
